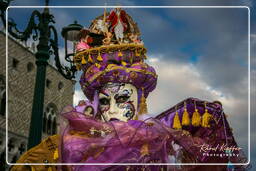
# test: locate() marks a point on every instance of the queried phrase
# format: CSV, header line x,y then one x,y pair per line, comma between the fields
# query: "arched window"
x,y
49,119
44,123
54,126
15,63
48,83
2,141
60,85
3,104
2,96
3,164
30,66
49,125
11,145
22,148
14,159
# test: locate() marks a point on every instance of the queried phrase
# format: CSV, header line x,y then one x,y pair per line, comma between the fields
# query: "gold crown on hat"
x,y
114,33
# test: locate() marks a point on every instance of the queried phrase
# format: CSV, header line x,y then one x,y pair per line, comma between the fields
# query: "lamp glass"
x,y
72,35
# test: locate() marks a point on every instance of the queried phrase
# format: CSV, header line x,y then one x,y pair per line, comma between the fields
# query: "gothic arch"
x,y
11,144
22,148
44,123
49,119
2,95
54,126
2,141
3,164
2,81
14,159
49,125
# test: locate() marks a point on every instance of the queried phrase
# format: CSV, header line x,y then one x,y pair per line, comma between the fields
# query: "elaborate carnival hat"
x,y
114,53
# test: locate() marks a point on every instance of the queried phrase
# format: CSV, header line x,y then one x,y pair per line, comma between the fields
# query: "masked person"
x,y
111,127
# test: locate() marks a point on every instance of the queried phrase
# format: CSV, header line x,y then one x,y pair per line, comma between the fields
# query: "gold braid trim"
x,y
112,67
140,49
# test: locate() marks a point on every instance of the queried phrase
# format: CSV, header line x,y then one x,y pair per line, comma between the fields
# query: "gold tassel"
x,y
83,60
90,58
144,150
176,121
78,67
97,65
185,118
55,155
99,58
206,118
137,53
120,53
131,60
124,63
143,105
196,118
32,168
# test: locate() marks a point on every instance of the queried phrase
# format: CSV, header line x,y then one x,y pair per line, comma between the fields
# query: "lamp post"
x,y
45,32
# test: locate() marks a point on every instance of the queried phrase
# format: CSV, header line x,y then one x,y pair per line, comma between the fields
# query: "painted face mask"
x,y
118,101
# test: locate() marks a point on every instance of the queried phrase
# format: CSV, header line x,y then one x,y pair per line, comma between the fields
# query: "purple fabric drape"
x,y
88,140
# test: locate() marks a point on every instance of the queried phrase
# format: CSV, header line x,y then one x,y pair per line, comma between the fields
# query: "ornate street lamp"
x,y
44,31
70,33
3,6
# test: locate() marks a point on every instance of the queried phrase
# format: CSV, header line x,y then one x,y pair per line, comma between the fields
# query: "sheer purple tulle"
x,y
88,140
134,141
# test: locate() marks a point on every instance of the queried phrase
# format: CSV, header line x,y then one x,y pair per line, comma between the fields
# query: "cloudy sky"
x,y
197,52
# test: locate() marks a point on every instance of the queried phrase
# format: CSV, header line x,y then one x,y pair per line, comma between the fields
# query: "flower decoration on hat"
x,y
114,52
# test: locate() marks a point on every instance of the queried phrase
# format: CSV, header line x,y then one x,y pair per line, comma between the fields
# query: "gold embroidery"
x,y
115,67
109,49
55,155
150,124
98,152
32,168
144,150
101,132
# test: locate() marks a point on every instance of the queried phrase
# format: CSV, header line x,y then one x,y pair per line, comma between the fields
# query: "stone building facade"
x,y
21,82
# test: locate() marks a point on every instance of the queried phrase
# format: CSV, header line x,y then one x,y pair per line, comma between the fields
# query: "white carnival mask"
x,y
118,101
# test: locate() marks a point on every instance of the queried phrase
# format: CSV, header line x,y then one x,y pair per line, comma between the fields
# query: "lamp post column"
x,y
48,44
42,56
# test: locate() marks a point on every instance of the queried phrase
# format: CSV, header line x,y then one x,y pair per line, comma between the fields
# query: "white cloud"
x,y
178,81
63,62
62,55
78,95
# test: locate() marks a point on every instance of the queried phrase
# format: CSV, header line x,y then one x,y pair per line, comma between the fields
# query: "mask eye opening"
x,y
122,98
104,101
